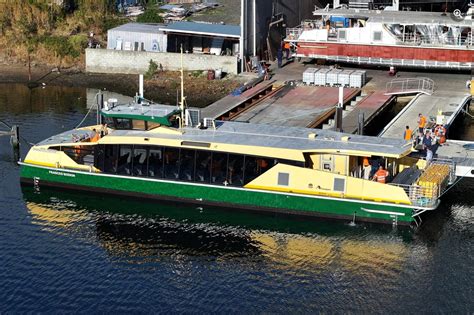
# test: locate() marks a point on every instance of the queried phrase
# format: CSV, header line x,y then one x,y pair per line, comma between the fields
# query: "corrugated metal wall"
x,y
148,40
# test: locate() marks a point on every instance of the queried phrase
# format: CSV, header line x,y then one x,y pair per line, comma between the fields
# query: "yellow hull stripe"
x,y
328,194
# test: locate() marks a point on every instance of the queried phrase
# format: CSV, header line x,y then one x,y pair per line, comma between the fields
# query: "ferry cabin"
x,y
237,165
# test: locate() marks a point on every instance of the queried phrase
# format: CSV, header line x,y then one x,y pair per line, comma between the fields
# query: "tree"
x,y
150,16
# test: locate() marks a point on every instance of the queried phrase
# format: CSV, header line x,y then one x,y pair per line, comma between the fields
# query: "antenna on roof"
x,y
181,122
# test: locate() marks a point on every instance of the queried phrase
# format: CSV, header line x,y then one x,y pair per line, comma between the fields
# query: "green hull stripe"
x,y
223,195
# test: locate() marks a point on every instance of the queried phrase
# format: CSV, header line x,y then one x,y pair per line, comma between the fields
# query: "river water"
x,y
76,252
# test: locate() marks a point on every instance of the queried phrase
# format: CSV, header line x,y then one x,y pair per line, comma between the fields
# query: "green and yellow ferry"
x,y
157,151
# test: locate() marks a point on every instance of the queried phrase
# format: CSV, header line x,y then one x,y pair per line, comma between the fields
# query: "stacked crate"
x,y
434,180
357,79
332,77
344,78
320,77
308,76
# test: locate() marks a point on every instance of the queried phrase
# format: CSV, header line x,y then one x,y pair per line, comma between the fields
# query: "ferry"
x,y
409,39
168,153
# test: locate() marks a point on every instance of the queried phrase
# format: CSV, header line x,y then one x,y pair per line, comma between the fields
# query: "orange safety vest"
x,y
407,134
422,122
95,138
287,45
381,176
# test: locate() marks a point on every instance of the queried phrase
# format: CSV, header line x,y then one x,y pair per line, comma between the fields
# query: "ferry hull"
x,y
229,197
408,56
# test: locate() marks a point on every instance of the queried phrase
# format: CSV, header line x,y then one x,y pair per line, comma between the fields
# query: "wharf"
x,y
371,106
297,106
461,155
451,103
230,103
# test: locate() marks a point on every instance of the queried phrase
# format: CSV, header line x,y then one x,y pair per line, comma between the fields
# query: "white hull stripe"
x,y
382,212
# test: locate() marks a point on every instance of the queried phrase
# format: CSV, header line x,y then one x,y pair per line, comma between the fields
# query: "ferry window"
x,y
377,36
218,168
203,166
151,125
171,156
186,164
138,125
122,123
339,184
342,34
124,163
155,162
283,179
110,158
110,122
99,155
250,168
139,161
235,170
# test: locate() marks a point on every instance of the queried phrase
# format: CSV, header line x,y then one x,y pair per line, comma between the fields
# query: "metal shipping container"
x,y
137,37
357,79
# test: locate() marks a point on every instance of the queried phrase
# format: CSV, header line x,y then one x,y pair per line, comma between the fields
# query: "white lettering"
x,y
62,174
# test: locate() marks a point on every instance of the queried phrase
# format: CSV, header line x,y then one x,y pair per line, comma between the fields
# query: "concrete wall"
x,y
136,62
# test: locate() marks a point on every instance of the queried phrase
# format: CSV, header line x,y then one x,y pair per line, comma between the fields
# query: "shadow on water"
x,y
195,230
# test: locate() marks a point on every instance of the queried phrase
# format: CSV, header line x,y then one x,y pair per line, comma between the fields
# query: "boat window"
x,y
186,164
377,36
250,168
78,153
99,156
203,166
283,179
138,125
110,158
124,163
122,123
155,162
151,125
110,122
339,184
140,161
171,156
219,168
235,170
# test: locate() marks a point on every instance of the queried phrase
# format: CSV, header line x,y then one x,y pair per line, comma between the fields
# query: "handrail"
x,y
410,85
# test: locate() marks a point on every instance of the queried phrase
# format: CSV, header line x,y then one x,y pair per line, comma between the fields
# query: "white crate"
x,y
320,77
332,77
357,79
344,78
308,76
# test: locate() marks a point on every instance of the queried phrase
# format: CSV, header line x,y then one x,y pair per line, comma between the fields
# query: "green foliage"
x,y
152,67
78,42
61,46
150,16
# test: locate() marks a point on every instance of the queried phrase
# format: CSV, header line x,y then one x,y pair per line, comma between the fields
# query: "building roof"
x,y
153,28
397,17
220,30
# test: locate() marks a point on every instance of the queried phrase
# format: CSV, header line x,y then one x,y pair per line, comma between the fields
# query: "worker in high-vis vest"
x,y
381,175
407,133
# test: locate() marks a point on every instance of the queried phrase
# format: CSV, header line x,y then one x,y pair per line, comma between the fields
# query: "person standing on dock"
x,y
279,57
428,146
421,123
407,133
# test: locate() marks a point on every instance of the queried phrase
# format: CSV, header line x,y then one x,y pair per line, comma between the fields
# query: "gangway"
x,y
407,86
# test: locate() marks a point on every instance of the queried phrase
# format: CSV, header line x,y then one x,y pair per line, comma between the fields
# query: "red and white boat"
x,y
411,39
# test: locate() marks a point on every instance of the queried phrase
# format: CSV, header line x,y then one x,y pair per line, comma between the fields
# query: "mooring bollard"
x,y
15,141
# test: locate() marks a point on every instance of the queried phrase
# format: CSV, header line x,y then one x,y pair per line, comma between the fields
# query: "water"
x,y
75,252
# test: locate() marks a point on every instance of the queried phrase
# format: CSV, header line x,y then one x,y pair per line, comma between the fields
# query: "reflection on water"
x,y
80,252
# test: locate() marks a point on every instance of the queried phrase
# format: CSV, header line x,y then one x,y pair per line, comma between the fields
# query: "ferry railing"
x,y
435,40
420,196
293,33
410,85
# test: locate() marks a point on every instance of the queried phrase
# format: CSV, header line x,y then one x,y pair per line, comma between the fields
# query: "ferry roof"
x,y
282,137
150,112
397,17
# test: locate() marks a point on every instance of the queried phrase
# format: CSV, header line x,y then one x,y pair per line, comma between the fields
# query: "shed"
x,y
137,37
216,39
